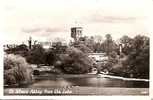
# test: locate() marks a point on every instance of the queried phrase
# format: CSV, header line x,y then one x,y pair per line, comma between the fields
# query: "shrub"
x,y
16,70
75,61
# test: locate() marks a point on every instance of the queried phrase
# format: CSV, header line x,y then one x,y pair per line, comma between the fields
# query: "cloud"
x,y
44,29
31,30
98,18
44,32
55,29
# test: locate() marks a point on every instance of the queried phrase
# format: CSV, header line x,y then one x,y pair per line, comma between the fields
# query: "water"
x,y
92,82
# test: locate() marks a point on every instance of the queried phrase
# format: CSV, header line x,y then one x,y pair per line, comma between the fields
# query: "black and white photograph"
x,y
76,47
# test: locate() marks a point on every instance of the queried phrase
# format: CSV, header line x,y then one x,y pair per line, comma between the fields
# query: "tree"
x,y
93,43
58,47
126,44
36,55
83,48
109,45
16,70
108,37
21,50
138,58
136,62
87,42
50,57
98,47
75,61
98,38
112,62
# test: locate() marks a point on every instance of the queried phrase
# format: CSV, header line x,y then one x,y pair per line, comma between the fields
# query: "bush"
x,y
136,62
16,70
36,55
75,61
84,48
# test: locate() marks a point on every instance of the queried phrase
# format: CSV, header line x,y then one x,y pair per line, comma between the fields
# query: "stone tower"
x,y
76,33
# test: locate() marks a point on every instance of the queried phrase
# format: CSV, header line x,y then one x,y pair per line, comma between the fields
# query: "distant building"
x,y
45,45
59,44
59,47
9,46
76,33
98,57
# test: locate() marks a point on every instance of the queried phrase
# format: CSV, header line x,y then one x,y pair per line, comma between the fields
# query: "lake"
x,y
87,81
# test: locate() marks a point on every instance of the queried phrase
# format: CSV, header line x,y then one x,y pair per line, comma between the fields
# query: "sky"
x,y
46,20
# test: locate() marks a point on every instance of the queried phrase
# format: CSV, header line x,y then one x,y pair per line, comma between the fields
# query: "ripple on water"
x,y
93,82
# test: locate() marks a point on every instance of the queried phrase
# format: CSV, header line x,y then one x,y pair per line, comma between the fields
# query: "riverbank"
x,y
76,90
91,80
86,76
48,76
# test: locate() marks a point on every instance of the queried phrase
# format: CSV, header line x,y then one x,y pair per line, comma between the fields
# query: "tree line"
x,y
132,60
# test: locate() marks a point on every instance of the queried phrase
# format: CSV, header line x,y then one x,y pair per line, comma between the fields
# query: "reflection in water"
x,y
56,82
106,82
93,82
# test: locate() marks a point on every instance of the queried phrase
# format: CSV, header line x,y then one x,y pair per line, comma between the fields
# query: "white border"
x,y
150,27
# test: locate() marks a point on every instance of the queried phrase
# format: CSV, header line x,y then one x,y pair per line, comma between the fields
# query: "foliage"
x,y
90,44
50,57
75,61
111,62
20,50
83,48
58,47
36,55
126,44
16,70
109,45
133,61
138,58
136,61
